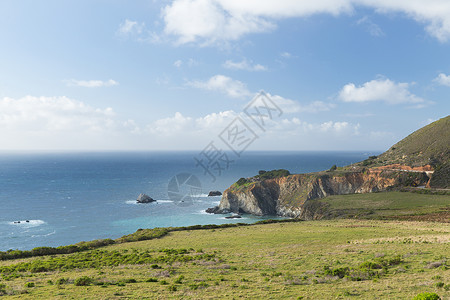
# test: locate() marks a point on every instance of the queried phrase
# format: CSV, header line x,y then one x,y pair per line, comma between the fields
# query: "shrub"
x,y
83,281
427,296
340,272
61,281
29,284
152,279
179,280
333,168
274,174
172,288
241,181
369,265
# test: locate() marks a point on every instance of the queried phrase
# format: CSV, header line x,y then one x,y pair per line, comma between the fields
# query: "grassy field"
x,y
333,259
403,205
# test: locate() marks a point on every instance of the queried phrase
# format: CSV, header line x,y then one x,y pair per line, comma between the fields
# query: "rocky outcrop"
x,y
143,198
214,193
290,196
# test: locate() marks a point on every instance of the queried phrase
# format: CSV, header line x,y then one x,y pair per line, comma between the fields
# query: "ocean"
x,y
54,199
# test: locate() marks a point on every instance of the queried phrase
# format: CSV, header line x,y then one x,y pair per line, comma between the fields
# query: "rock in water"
x,y
233,217
216,210
143,198
214,193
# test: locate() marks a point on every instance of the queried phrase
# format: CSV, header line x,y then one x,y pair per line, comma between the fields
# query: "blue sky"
x,y
172,75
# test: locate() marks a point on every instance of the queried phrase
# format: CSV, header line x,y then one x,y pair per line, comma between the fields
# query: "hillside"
x,y
421,159
428,145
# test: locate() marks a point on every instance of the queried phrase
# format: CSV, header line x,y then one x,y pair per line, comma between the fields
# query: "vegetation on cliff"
x,y
262,175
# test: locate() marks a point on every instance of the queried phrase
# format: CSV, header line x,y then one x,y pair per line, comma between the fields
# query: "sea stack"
x,y
143,198
214,193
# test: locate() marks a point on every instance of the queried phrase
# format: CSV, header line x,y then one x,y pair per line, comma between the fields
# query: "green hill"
x,y
428,145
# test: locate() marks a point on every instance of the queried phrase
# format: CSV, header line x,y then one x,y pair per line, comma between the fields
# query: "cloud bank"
x,y
214,21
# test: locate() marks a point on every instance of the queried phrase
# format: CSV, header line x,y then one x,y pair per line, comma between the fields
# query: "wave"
x,y
41,235
27,223
201,196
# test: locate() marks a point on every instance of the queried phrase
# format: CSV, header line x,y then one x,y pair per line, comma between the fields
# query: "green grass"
x,y
367,259
385,204
329,259
426,145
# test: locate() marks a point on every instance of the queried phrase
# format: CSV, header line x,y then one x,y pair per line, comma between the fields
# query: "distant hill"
x,y
421,159
428,145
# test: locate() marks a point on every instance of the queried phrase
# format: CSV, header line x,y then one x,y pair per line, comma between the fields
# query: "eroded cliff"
x,y
290,196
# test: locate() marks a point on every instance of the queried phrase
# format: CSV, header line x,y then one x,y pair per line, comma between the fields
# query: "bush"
x,y
333,168
172,288
241,181
61,281
83,281
152,279
274,174
427,296
29,284
179,280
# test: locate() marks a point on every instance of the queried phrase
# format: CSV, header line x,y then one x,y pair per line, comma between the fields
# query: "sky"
x,y
176,75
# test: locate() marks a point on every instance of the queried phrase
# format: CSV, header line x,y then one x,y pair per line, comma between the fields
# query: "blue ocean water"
x,y
71,197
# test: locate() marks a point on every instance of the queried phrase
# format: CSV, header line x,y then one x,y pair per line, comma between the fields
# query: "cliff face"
x,y
289,196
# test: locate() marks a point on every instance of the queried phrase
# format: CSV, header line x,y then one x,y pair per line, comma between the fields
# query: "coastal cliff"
x,y
288,196
420,159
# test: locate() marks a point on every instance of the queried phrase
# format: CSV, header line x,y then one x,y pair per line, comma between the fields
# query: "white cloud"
x,y
138,31
91,83
209,21
381,89
171,125
53,123
237,89
231,87
190,63
434,13
52,114
371,27
178,63
292,106
243,65
286,54
443,79
213,21
130,28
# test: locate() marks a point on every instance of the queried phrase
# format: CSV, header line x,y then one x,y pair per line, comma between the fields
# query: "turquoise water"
x,y
68,198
